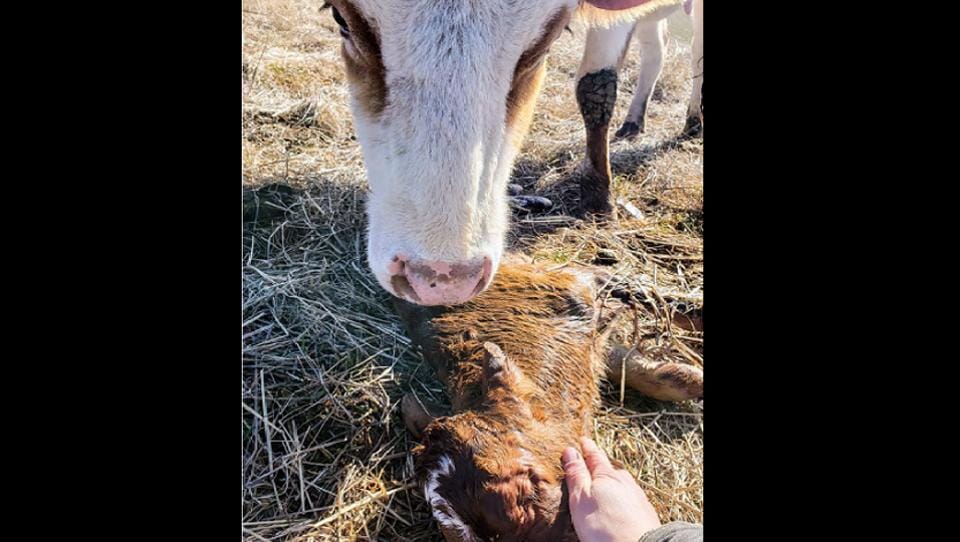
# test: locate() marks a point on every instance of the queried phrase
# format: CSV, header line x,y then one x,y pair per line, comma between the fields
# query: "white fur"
x,y
604,47
449,520
650,36
697,58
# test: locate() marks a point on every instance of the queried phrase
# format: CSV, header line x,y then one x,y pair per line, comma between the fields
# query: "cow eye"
x,y
344,29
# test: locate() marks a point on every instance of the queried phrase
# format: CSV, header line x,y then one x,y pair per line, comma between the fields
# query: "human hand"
x,y
606,504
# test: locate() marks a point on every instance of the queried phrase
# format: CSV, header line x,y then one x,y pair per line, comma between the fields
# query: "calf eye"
x,y
344,29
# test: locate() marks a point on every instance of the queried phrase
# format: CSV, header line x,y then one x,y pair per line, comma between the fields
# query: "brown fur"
x,y
520,363
528,77
365,71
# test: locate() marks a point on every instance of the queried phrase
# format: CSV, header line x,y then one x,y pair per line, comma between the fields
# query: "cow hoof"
x,y
532,204
629,130
693,127
598,208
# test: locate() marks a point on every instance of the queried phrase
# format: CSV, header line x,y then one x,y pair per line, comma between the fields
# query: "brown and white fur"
x,y
443,93
520,364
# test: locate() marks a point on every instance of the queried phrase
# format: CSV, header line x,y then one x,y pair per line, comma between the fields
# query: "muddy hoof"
x,y
514,189
598,208
532,204
693,127
629,130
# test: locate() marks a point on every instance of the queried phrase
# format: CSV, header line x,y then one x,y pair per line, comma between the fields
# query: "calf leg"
x,y
661,381
650,34
694,124
596,96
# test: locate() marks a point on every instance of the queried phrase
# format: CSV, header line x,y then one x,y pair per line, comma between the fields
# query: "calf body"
x,y
520,364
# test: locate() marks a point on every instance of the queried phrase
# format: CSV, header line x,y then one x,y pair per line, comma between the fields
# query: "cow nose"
x,y
427,282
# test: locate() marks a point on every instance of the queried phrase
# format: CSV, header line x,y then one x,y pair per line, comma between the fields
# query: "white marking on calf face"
x,y
439,153
445,515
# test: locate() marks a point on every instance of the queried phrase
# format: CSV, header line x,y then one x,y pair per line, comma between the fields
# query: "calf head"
x,y
494,473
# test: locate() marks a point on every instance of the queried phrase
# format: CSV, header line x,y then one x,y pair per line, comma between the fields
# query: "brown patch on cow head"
x,y
528,77
361,54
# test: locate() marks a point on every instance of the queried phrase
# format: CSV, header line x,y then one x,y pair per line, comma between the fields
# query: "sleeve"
x,y
677,531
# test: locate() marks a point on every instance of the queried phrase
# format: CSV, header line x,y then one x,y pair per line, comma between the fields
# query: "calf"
x,y
520,365
442,94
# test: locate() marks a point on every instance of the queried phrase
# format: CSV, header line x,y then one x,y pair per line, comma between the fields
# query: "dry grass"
x,y
325,360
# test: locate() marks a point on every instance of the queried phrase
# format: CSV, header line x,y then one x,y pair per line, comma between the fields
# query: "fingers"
x,y
577,474
595,459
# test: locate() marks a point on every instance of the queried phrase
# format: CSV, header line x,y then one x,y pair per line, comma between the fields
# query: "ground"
x,y
325,360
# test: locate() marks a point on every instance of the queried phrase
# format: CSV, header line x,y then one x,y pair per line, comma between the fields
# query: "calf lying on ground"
x,y
520,364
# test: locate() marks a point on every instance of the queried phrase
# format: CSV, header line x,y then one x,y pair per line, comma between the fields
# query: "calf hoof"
x,y
676,382
655,379
693,127
629,130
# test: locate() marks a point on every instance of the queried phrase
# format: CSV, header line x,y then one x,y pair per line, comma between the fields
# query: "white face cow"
x,y
443,92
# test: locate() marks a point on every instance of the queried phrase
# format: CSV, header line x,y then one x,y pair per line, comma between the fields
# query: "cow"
x,y
442,95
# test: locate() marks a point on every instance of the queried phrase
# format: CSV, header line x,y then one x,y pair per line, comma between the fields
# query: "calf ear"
x,y
415,415
499,371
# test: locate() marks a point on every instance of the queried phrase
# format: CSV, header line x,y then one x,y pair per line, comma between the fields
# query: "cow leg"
x,y
694,124
650,34
596,96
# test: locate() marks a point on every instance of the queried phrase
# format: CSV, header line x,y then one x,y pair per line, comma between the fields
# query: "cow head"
x,y
442,93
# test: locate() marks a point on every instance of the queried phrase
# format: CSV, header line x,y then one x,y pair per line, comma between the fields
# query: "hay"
x,y
325,360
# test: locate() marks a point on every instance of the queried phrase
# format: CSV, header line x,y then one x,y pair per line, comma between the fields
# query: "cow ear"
x,y
616,5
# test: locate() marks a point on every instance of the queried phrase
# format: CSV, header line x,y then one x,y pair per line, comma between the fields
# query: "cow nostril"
x,y
433,284
487,271
402,286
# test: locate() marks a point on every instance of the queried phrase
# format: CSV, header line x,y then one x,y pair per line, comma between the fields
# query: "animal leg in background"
x,y
650,35
694,125
596,96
